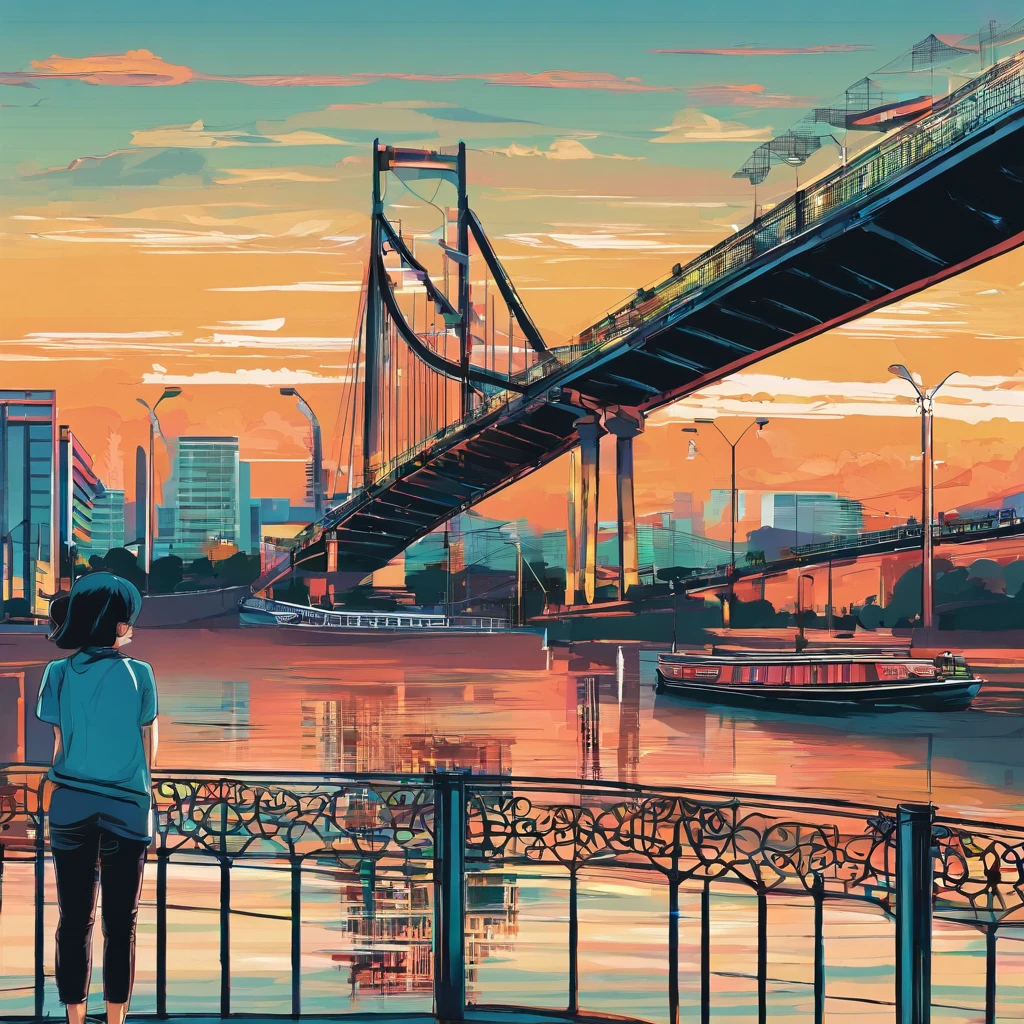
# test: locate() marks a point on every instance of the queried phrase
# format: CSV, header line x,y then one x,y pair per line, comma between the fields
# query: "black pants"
x,y
83,855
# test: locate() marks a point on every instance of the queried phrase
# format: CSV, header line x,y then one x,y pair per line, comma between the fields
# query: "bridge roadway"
x,y
929,201
906,541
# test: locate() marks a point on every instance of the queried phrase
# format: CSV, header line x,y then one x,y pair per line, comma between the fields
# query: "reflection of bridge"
x,y
939,195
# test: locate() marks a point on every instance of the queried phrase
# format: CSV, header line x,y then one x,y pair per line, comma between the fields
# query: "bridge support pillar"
x,y
590,430
625,424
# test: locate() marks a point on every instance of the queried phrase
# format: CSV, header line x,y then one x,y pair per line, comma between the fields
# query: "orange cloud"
x,y
752,95
772,51
143,67
136,67
597,80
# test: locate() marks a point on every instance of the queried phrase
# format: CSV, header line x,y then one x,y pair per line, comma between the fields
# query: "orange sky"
x,y
218,244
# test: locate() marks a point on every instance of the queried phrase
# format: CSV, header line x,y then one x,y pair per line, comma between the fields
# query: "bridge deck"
x,y
926,203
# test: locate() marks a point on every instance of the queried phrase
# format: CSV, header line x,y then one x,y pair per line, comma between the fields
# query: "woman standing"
x,y
103,708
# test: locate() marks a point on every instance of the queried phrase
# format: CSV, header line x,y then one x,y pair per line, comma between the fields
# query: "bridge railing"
x,y
267,885
343,618
975,105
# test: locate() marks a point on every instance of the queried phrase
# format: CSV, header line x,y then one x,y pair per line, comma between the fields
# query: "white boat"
x,y
261,611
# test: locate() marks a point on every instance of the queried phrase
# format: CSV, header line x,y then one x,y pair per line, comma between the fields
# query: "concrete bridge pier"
x,y
590,430
625,424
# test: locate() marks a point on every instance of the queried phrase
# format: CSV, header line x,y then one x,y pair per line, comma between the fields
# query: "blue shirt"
x,y
100,699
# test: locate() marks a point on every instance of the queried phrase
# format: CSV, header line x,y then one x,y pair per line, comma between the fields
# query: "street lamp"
x,y
513,538
925,400
801,640
318,473
154,428
760,422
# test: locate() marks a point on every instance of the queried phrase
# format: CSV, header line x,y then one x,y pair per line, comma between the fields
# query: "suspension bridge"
x,y
448,416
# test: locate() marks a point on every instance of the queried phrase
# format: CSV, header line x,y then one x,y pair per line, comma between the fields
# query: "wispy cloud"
x,y
696,126
636,241
144,68
336,287
560,149
750,95
198,136
261,377
745,50
600,81
977,400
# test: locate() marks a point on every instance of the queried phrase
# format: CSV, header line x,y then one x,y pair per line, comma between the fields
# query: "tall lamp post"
x,y
925,401
760,422
318,472
154,428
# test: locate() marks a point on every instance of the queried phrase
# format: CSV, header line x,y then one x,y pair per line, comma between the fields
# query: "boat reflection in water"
x,y
832,678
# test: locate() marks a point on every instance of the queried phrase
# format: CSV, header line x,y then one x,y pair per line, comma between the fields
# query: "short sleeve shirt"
x,y
100,700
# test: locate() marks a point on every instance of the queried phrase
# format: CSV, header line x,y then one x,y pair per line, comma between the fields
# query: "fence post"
x,y
449,895
914,913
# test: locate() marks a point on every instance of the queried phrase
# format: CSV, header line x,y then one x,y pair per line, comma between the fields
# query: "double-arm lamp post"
x,y
318,455
925,401
154,428
760,422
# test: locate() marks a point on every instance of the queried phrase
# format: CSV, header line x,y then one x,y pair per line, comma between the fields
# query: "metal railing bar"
x,y
705,953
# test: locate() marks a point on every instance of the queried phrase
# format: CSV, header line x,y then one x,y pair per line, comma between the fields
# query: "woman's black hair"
x,y
89,616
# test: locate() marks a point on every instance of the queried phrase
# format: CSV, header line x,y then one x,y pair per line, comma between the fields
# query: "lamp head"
x,y
761,421
899,370
171,392
288,392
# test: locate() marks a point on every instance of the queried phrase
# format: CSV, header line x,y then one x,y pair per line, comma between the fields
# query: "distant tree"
x,y
121,562
201,568
16,608
165,574
428,584
238,570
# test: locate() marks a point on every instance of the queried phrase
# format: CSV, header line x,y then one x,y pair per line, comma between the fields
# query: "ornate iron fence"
x,y
436,831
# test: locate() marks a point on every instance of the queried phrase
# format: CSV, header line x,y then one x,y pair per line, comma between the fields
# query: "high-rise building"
x,y
206,498
77,487
108,522
28,496
248,541
716,509
818,515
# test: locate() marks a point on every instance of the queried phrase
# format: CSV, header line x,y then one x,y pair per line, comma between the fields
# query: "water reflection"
x,y
245,700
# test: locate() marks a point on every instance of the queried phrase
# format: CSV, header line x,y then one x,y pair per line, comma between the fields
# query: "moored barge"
x,y
827,679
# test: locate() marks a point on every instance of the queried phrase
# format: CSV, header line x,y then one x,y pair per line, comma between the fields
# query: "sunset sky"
x,y
184,198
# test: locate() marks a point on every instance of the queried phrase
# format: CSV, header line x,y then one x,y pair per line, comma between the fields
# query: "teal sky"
x,y
255,38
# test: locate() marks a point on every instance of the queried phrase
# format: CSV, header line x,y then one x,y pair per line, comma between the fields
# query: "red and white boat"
x,y
826,679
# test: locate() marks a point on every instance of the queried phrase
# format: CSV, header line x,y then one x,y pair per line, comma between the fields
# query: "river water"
x,y
237,700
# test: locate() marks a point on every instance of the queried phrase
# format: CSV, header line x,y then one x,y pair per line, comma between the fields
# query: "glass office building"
x,y
107,522
206,496
78,487
28,517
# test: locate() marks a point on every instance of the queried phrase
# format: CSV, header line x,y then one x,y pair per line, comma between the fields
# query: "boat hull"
x,y
924,694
